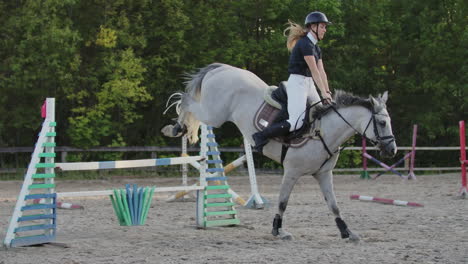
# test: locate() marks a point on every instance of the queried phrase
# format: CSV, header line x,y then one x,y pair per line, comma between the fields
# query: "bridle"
x,y
372,119
376,131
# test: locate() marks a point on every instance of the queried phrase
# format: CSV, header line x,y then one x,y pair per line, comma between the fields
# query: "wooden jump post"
x,y
255,201
463,161
30,223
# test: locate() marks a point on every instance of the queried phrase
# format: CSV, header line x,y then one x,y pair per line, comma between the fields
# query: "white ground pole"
x,y
255,201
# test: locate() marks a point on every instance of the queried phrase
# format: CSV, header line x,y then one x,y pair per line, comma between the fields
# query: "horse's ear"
x,y
385,97
373,101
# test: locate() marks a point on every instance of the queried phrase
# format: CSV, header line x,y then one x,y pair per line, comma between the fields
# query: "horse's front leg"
x,y
325,180
289,180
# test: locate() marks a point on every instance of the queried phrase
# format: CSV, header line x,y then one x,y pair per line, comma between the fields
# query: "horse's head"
x,y
379,128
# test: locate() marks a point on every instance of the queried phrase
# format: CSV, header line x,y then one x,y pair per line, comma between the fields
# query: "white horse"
x,y
219,93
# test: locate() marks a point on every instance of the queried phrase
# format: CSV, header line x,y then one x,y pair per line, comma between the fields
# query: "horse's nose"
x,y
393,150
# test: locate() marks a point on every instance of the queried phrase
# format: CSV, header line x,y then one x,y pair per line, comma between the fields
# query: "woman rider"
x,y
305,68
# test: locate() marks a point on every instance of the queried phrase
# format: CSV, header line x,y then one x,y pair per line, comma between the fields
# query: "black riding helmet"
x,y
315,18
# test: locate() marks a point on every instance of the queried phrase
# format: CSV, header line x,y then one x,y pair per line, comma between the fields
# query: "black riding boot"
x,y
275,130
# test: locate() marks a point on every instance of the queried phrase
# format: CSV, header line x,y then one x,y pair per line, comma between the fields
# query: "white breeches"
x,y
300,89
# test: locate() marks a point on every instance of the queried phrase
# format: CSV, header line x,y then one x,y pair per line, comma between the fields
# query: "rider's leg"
x,y
312,94
297,89
274,130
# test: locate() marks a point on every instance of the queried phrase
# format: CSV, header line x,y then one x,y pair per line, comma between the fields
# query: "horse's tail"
x,y
193,90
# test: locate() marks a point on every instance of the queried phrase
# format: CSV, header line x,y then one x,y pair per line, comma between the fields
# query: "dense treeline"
x,y
111,65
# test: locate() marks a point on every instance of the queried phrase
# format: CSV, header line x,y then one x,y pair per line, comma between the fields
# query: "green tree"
x,y
38,58
105,122
112,90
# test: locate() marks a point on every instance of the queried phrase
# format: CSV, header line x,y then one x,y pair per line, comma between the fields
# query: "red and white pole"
x,y
464,188
384,201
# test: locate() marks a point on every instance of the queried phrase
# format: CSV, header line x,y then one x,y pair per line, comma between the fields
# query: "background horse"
x,y
219,93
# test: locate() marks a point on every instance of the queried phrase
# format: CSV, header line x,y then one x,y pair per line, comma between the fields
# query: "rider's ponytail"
x,y
294,32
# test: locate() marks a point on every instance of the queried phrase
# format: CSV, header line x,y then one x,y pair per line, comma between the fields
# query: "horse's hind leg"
x,y
289,180
208,113
325,180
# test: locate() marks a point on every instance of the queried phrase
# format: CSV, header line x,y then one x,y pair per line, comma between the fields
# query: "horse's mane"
x,y
342,99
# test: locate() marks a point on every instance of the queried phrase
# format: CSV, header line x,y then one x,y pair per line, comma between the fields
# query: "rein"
x,y
285,148
374,123
376,132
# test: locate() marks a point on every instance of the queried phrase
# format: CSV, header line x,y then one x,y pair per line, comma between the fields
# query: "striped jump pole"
x,y
463,161
110,192
385,166
384,200
408,155
122,164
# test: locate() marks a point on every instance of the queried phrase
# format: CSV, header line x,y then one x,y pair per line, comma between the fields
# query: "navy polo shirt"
x,y
304,47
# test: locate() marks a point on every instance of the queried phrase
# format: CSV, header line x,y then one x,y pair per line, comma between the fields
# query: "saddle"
x,y
275,109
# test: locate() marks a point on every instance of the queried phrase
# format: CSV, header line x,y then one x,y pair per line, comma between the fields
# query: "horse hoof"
x,y
285,235
275,232
354,238
169,131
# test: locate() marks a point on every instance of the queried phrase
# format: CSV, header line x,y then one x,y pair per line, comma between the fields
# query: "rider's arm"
x,y
317,76
323,74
